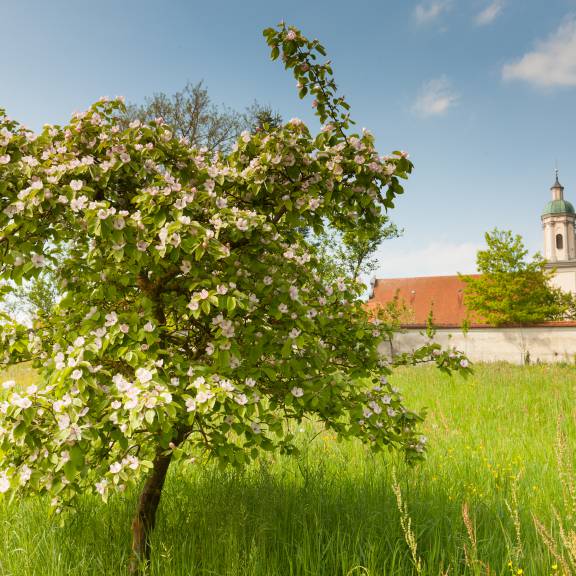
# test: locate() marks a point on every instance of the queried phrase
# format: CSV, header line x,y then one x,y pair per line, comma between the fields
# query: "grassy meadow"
x,y
500,462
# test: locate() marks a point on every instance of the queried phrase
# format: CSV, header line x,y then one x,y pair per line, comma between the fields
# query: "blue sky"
x,y
481,93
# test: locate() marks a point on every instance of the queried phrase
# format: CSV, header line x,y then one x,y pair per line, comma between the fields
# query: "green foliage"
x,y
194,314
512,290
353,253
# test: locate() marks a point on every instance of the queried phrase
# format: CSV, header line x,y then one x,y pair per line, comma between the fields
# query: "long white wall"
x,y
542,343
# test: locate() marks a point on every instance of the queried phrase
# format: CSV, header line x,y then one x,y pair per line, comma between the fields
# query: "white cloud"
x,y
435,98
427,12
490,13
436,259
552,63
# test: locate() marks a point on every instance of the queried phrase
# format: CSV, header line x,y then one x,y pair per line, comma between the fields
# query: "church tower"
x,y
559,225
558,222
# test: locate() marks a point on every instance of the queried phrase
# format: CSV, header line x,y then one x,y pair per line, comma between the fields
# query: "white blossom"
x,y
38,260
101,486
111,319
4,483
143,375
241,399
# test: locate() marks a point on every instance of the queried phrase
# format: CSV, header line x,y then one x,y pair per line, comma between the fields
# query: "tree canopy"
x,y
510,288
194,316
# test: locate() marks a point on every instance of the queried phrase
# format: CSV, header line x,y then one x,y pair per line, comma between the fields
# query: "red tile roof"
x,y
444,295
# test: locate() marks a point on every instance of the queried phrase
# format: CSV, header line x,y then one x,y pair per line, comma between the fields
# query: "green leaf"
x,y
77,456
69,470
205,305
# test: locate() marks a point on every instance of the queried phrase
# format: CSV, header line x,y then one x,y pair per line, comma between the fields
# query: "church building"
x,y
444,294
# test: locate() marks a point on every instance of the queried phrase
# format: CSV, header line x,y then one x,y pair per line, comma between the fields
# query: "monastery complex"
x,y
444,295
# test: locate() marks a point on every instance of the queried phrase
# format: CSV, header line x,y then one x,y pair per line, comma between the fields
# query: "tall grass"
x,y
493,469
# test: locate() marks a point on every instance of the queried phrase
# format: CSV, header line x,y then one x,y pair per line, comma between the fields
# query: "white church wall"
x,y
565,279
541,344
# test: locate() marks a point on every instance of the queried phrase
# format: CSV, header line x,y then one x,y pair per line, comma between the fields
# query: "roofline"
x,y
561,264
548,214
427,277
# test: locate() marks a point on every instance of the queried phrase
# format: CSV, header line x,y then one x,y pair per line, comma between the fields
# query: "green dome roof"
x,y
558,207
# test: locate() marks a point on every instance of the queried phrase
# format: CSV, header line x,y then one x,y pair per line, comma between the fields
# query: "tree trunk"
x,y
145,519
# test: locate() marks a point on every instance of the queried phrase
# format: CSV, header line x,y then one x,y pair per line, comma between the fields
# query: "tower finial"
x,y
556,181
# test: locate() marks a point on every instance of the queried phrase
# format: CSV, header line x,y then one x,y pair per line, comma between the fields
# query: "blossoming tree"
x,y
193,314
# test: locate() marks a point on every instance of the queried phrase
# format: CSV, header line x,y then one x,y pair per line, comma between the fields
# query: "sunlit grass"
x,y
333,511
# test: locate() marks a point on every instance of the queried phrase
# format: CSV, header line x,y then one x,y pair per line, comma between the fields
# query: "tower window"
x,y
559,242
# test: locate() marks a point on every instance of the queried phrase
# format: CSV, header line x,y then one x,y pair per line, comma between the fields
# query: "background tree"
x,y
194,317
511,289
192,115
259,117
353,253
35,299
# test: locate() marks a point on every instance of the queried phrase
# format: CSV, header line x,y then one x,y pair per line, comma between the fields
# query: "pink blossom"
x,y
101,486
241,399
119,223
4,483
242,224
111,319
38,260
186,266
143,375
294,333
